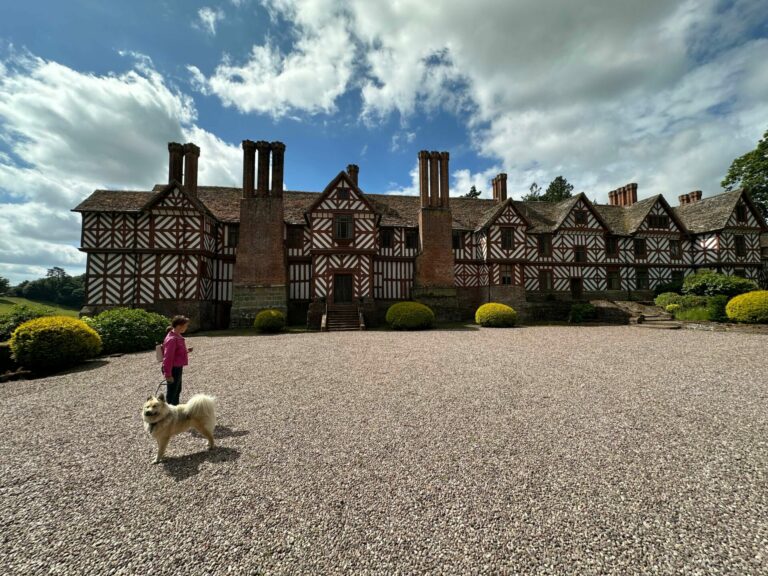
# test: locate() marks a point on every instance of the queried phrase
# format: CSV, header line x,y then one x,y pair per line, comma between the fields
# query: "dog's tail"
x,y
202,407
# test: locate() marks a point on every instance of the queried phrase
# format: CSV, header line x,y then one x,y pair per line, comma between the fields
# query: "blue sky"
x,y
606,92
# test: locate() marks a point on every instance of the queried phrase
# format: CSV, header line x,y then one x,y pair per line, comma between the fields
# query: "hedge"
x,y
710,283
666,298
581,312
410,316
48,344
19,314
751,307
129,329
716,308
495,315
269,321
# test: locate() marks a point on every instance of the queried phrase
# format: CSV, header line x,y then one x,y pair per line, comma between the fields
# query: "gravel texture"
x,y
543,450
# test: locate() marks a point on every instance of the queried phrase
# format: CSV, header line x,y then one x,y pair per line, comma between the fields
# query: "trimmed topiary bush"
x,y
751,308
19,314
6,361
675,287
581,312
269,321
666,298
51,343
410,316
495,315
710,283
128,329
716,308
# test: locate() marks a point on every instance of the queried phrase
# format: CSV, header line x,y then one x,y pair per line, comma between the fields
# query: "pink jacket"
x,y
174,352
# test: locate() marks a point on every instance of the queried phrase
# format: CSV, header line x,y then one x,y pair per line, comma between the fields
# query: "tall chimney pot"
x,y
191,154
502,179
175,162
694,196
424,178
353,170
249,168
434,179
262,174
444,186
278,168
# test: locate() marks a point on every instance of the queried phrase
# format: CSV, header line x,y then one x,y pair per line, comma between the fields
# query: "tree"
x,y
5,285
534,193
559,189
750,172
473,193
56,272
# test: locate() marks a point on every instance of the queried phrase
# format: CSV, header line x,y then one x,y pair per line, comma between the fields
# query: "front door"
x,y
342,288
577,287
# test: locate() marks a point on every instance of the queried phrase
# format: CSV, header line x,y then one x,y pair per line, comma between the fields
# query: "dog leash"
x,y
162,383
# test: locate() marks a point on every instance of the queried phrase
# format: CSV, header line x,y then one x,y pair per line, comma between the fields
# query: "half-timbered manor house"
x,y
342,255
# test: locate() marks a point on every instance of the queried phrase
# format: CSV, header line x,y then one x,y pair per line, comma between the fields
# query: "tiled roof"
x,y
708,214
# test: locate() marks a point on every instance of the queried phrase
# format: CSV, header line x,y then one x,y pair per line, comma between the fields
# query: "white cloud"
x,y
208,19
309,78
70,133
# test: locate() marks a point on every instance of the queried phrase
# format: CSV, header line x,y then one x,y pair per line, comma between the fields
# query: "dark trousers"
x,y
174,390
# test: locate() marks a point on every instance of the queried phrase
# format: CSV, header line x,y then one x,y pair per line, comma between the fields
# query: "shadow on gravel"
x,y
222,432
85,367
183,467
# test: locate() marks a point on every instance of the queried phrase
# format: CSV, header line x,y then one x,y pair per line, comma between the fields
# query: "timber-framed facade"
x,y
220,254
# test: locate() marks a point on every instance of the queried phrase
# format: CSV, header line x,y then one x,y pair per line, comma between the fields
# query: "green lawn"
x,y
8,302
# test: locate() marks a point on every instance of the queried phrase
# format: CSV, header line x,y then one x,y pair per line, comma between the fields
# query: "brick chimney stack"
x,y
353,170
694,196
499,184
249,168
434,264
175,162
624,196
191,154
260,270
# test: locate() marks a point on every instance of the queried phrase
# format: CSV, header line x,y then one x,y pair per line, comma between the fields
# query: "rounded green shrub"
x,y
672,308
581,312
666,298
710,283
128,329
692,301
410,316
751,307
19,314
495,315
716,308
269,321
47,344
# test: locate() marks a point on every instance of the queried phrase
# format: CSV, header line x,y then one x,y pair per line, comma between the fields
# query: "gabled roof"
x,y
549,216
341,176
626,220
491,214
712,213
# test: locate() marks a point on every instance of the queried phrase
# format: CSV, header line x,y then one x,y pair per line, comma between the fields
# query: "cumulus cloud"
x,y
208,18
69,133
603,92
309,78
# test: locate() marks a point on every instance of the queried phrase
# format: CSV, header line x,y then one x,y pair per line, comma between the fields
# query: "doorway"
x,y
577,288
342,288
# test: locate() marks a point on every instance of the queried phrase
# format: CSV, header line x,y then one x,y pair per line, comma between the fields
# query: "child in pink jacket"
x,y
175,357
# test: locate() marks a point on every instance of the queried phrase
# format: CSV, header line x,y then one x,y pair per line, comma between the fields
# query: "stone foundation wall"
x,y
248,301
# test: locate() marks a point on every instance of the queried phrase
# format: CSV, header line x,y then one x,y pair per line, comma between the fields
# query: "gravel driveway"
x,y
542,450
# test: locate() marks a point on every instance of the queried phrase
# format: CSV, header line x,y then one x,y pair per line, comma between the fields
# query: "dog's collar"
x,y
151,426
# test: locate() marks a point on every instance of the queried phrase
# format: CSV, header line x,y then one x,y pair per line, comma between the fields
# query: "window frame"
x,y
645,275
510,269
388,233
337,218
675,242
580,214
610,271
580,249
640,242
540,244
232,236
740,246
457,234
655,221
343,194
612,239
508,232
409,235
294,235
741,213
674,273
546,273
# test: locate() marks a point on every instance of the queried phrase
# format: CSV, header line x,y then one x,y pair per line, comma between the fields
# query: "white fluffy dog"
x,y
163,421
